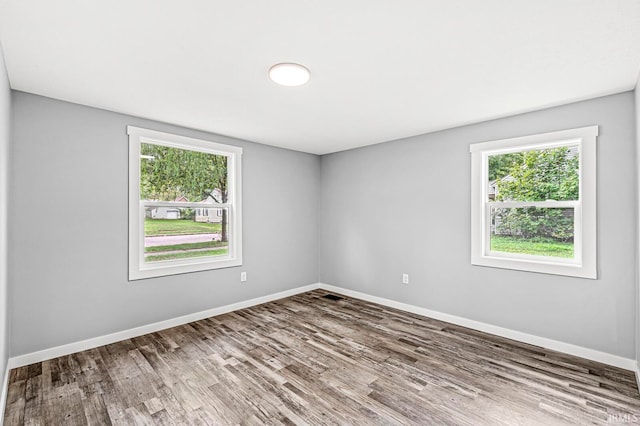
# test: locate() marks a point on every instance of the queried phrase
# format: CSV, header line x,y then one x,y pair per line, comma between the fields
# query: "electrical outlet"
x,y
243,277
405,278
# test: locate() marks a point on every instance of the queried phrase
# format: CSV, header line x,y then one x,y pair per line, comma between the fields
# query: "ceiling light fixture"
x,y
289,74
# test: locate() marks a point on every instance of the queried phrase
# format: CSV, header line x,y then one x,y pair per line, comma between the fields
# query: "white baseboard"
x,y
567,348
43,355
4,393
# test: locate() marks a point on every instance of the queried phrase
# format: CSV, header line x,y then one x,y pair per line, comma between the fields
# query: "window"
x,y
533,203
184,204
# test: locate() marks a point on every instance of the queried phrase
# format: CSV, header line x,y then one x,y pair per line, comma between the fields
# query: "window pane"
x,y
178,233
533,231
535,175
174,174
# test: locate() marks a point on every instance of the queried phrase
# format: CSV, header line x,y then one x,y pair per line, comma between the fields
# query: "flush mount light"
x,y
288,74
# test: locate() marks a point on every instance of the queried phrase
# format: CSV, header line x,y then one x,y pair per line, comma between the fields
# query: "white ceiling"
x,y
381,69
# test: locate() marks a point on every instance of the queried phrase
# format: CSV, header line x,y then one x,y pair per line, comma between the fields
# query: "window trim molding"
x,y
137,267
586,267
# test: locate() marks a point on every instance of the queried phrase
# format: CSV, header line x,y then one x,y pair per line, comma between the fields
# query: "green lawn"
x,y
185,247
186,254
154,227
552,248
157,227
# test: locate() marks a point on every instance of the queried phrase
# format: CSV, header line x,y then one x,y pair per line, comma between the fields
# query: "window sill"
x,y
539,266
171,268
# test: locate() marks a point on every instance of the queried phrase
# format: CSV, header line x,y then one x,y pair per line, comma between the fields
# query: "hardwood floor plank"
x,y
16,400
33,400
308,360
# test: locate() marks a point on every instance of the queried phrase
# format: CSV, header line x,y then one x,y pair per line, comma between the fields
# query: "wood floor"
x,y
311,360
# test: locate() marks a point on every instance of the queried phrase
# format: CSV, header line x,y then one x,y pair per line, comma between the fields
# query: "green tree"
x,y
546,174
501,165
167,174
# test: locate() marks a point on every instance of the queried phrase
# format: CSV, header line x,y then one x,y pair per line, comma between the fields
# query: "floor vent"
x,y
332,297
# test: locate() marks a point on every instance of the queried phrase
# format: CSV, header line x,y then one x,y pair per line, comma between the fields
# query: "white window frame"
x,y
138,268
584,263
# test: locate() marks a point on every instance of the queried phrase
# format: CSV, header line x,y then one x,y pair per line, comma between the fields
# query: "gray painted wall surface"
x,y
68,236
636,94
5,135
403,207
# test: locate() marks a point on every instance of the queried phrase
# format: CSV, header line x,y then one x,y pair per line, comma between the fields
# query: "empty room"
x,y
319,212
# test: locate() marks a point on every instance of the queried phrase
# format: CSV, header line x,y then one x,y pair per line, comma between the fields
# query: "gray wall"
x,y
403,207
68,234
636,94
383,210
5,134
